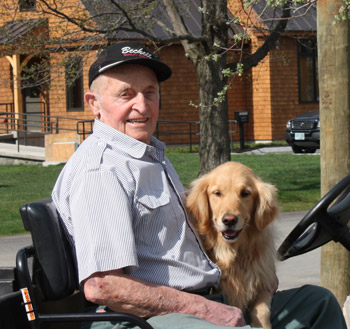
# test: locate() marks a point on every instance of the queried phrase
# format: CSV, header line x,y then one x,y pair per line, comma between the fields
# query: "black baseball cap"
x,y
128,53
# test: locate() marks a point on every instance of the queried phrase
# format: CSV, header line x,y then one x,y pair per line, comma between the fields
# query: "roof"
x,y
189,10
12,31
304,17
105,15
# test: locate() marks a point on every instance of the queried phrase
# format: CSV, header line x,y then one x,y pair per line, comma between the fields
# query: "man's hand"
x,y
121,293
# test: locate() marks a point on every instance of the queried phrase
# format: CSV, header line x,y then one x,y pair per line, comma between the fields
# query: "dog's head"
x,y
231,199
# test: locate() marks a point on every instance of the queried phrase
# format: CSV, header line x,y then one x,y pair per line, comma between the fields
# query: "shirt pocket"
x,y
155,217
153,201
152,190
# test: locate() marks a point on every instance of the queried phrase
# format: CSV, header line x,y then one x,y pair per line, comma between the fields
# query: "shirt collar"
x,y
132,146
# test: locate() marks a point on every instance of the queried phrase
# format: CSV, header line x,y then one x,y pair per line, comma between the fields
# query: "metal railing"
x,y
6,113
84,127
8,107
37,123
30,122
9,118
187,128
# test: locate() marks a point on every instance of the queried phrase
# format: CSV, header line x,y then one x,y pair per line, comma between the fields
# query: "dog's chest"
x,y
244,278
240,287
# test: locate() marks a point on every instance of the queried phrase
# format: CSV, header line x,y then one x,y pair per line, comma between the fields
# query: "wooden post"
x,y
334,82
17,94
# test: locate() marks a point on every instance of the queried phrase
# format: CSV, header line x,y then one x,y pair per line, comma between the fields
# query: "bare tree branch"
x,y
254,59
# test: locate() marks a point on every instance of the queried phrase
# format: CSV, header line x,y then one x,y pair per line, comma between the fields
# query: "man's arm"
x,y
121,293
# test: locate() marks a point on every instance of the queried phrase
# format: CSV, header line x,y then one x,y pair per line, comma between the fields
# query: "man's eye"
x,y
126,93
150,93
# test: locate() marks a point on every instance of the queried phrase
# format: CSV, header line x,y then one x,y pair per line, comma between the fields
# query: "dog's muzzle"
x,y
230,233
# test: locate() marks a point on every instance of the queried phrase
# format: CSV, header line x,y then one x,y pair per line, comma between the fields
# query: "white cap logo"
x,y
133,51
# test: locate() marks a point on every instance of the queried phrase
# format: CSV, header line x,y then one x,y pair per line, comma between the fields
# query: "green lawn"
x,y
18,185
296,177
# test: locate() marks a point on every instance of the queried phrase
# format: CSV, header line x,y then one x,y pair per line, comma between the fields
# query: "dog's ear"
x,y
266,204
197,202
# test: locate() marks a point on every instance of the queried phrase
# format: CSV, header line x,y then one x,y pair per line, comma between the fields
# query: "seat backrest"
x,y
54,270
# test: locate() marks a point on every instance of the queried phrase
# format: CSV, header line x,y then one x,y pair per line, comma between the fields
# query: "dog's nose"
x,y
230,220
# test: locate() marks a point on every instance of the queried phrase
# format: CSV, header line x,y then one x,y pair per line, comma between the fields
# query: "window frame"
x,y
313,55
69,88
24,5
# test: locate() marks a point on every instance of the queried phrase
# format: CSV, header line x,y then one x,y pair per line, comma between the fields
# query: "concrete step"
x,y
10,153
7,273
7,137
6,287
7,278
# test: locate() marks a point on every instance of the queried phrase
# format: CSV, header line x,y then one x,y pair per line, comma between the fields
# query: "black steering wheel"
x,y
326,221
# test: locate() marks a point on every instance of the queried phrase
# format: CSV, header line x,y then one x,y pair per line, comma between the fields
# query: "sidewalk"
x,y
23,153
299,270
304,269
274,149
35,153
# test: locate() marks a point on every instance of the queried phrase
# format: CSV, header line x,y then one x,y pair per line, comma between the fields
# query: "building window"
x,y
74,83
308,71
27,5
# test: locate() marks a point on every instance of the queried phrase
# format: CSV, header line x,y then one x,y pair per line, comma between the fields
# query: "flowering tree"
x,y
82,24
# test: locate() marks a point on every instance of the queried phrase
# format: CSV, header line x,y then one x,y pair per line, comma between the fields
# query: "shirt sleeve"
x,y
102,224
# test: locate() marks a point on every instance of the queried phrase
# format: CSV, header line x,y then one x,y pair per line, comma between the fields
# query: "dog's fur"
x,y
231,209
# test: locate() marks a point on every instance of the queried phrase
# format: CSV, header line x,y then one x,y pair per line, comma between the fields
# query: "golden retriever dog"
x,y
231,209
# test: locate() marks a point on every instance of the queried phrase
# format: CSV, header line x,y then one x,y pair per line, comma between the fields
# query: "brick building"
x,y
283,85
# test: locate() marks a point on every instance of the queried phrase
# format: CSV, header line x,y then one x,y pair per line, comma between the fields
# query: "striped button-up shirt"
x,y
121,202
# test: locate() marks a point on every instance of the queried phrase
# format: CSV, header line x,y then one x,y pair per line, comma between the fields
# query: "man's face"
x,y
127,99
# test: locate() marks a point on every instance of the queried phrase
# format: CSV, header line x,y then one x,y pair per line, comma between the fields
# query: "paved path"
x,y
303,269
9,246
38,153
293,272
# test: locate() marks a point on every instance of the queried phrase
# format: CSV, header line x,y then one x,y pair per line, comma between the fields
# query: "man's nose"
x,y
140,104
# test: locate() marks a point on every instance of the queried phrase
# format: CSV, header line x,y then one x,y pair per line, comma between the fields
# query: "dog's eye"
x,y
245,193
217,193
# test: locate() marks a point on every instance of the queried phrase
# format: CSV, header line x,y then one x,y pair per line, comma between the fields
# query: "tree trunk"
x,y
334,77
214,147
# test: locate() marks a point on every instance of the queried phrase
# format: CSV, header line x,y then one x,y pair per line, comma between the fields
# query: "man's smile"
x,y
134,121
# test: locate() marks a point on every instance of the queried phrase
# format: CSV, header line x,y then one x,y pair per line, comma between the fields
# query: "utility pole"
x,y
334,83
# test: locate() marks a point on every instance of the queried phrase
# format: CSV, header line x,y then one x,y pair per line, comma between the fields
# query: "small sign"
x,y
31,316
242,116
25,295
27,304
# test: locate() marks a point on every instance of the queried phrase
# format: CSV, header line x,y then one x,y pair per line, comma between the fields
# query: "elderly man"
x,y
122,205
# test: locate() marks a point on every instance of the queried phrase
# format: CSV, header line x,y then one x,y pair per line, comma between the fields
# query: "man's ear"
x,y
93,103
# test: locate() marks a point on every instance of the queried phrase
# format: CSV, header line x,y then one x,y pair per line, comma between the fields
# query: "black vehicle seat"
x,y
53,291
